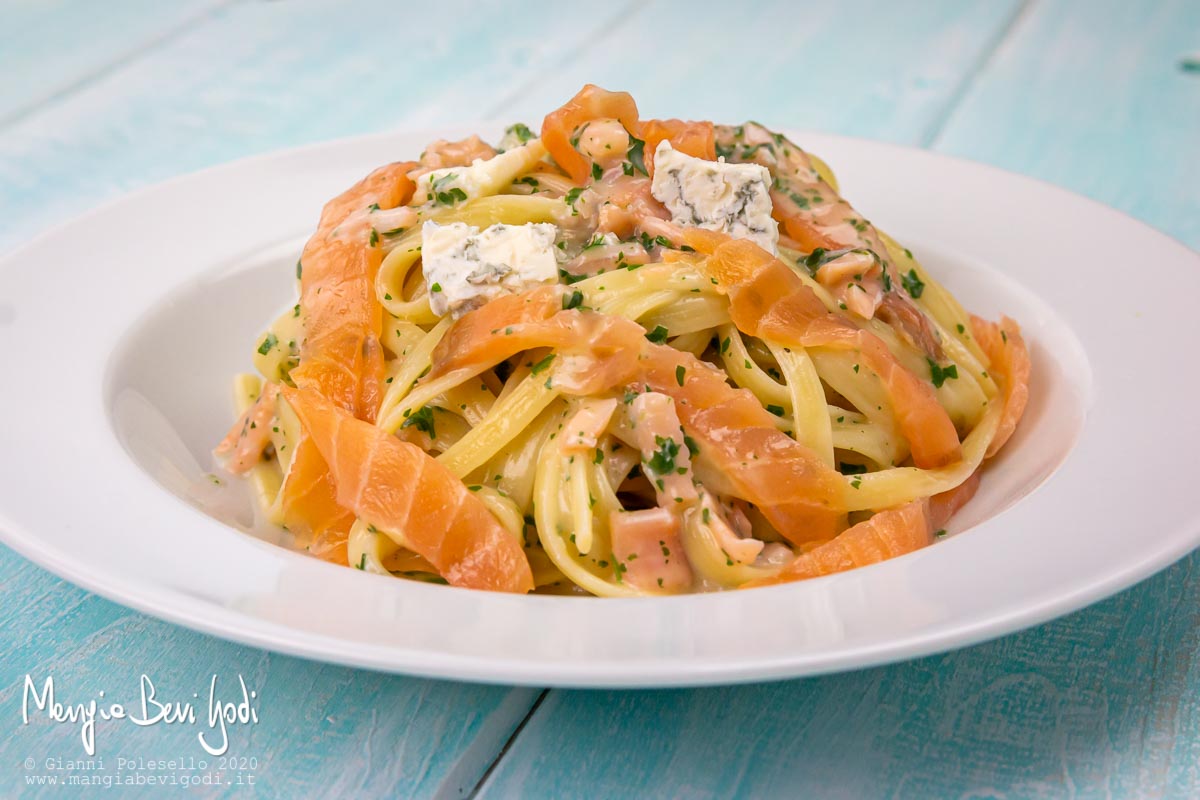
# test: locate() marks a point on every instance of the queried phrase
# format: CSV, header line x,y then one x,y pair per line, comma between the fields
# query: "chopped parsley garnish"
x,y
939,374
447,197
599,457
573,300
362,562
423,420
960,328
528,180
913,284
572,197
649,241
437,287
542,365
374,241
299,269
597,172
663,460
776,410
693,448
658,335
637,155
851,469
627,167
267,344
595,241
519,130
680,372
725,345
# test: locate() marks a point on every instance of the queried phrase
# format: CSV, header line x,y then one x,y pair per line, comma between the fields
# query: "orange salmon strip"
x,y
396,486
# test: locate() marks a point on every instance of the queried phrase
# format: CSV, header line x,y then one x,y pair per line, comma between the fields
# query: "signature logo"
x,y
222,713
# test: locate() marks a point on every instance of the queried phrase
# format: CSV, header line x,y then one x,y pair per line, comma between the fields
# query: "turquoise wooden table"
x,y
97,99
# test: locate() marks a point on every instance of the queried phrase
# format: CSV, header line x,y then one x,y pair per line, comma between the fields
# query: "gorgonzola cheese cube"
x,y
732,198
465,267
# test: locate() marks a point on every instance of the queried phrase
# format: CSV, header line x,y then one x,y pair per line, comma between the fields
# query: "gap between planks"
x,y
982,62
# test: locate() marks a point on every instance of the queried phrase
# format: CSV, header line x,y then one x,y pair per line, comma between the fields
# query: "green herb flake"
x,y
267,344
519,130
680,372
572,197
658,335
663,460
422,419
913,284
637,155
573,300
542,365
939,374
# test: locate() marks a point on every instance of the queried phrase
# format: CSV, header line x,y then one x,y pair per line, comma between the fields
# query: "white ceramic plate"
x,y
119,333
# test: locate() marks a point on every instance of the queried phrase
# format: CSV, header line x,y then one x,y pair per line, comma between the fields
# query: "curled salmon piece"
x,y
649,550
309,507
742,452
592,351
341,356
768,300
565,132
946,504
665,457
692,137
561,125
1010,364
887,534
243,446
396,487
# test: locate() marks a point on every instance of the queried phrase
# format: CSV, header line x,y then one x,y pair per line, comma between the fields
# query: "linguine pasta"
x,y
623,357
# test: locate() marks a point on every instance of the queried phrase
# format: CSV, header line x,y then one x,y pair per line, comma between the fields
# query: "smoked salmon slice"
x,y
1010,364
598,350
397,487
341,356
561,125
243,446
885,535
693,138
742,452
768,300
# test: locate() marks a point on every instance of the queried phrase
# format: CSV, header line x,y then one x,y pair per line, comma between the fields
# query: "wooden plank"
x,y
1083,705
1095,97
322,729
49,47
1100,703
258,77
883,70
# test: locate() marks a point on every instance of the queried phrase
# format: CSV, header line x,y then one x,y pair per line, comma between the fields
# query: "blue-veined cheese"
x,y
731,198
465,267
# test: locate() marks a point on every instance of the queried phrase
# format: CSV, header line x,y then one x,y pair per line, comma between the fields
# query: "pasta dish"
x,y
617,356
